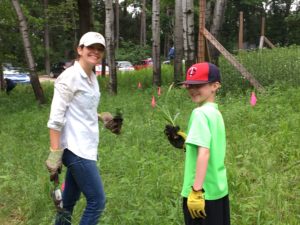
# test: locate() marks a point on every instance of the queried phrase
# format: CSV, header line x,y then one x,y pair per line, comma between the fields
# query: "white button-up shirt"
x,y
74,111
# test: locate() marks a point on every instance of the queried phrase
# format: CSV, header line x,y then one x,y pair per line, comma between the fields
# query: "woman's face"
x,y
92,55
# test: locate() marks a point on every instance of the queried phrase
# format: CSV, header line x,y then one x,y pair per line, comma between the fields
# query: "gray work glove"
x,y
54,162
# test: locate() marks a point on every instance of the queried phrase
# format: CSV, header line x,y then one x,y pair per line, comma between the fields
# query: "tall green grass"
x,y
271,67
142,173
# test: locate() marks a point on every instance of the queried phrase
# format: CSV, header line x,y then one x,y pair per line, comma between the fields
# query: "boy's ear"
x,y
216,85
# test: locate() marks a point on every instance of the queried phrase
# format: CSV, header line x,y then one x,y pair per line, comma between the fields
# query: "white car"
x,y
124,66
15,74
98,69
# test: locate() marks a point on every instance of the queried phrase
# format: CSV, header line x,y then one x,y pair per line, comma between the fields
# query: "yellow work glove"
x,y
196,204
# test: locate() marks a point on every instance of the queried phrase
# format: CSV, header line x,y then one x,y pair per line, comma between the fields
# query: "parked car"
x,y
98,70
16,74
146,63
124,66
167,62
58,68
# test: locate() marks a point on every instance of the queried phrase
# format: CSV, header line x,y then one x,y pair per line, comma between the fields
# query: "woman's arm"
x,y
54,139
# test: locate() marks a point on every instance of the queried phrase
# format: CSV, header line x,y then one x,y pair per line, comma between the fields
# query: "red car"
x,y
146,63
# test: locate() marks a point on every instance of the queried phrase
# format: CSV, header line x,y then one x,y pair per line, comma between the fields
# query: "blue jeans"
x,y
82,176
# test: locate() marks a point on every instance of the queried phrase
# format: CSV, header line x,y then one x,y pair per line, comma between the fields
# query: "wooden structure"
x,y
241,31
263,38
205,34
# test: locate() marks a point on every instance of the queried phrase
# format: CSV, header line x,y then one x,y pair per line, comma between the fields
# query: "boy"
x,y
205,189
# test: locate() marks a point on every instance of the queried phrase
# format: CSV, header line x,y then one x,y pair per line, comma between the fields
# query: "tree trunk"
x,y
117,21
208,13
156,42
110,46
188,33
178,42
34,80
46,39
288,4
218,19
143,24
125,8
103,68
1,78
85,16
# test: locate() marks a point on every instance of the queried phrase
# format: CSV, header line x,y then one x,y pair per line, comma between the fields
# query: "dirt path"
x,y
44,78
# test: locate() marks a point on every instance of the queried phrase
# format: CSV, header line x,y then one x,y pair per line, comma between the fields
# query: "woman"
x,y
74,132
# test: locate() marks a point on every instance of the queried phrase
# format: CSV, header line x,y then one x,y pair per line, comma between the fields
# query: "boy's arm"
x,y
201,167
196,201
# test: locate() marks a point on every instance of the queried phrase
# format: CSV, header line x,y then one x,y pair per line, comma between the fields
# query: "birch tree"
x,y
110,45
178,40
34,80
188,32
156,42
143,24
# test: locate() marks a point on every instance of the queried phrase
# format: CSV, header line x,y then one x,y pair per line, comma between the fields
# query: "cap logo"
x,y
192,71
98,36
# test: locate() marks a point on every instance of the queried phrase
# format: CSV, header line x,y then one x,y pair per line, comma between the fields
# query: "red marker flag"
x,y
153,102
253,99
63,186
159,91
139,85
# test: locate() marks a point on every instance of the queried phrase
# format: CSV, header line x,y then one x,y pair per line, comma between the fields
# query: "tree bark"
x,y
218,19
208,13
178,39
188,33
1,78
110,46
143,24
46,39
34,80
125,8
117,22
156,42
85,16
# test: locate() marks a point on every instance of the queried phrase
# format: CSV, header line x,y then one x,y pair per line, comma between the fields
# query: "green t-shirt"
x,y
206,129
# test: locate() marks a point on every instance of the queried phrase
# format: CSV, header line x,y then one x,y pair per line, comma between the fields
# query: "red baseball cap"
x,y
202,73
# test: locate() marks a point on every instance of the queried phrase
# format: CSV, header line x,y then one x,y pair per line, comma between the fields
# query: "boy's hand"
x,y
175,136
54,162
196,204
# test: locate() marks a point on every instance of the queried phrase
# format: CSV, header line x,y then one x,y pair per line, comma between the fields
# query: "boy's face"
x,y
201,93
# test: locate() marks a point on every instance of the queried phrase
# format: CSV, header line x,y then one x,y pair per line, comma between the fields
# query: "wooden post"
x,y
241,31
263,24
262,33
201,38
268,42
230,58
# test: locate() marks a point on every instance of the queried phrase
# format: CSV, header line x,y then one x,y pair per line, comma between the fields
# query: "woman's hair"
x,y
77,55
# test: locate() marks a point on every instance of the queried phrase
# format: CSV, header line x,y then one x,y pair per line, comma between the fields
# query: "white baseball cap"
x,y
91,38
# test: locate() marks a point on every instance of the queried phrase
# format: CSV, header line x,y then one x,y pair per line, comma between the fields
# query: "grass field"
x,y
142,173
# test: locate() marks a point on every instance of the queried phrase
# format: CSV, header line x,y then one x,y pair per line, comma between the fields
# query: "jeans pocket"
x,y
69,158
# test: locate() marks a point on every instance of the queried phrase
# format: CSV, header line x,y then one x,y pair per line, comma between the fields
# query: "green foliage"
x,y
134,53
293,22
270,67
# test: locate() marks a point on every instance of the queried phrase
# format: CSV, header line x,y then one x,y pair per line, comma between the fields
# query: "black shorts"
x,y
217,213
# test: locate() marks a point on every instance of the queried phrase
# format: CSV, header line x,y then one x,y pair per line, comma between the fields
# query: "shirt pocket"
x,y
87,100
